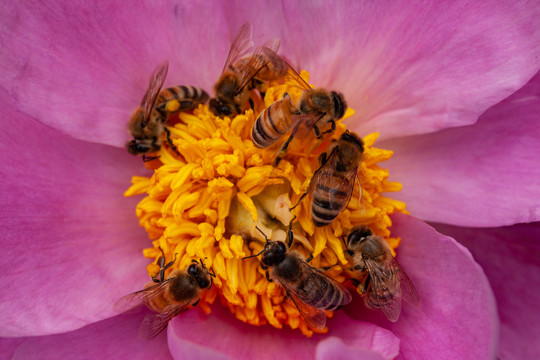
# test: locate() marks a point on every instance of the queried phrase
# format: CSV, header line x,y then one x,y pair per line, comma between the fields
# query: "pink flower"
x,y
438,81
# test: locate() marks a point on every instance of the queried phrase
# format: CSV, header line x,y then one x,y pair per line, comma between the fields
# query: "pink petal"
x,y
115,338
71,242
480,175
399,61
509,256
8,346
86,66
416,67
456,318
220,335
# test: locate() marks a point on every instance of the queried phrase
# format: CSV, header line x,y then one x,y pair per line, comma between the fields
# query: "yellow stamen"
x,y
205,204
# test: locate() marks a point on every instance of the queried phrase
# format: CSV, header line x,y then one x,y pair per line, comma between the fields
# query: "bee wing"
x,y
241,44
292,76
316,318
408,291
156,83
385,290
140,297
256,62
153,324
324,293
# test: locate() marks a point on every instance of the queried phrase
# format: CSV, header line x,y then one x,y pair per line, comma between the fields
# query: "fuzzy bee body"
x,y
385,283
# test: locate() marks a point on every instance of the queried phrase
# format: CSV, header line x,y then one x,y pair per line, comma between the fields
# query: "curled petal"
x,y
114,338
509,256
453,291
221,336
485,174
70,243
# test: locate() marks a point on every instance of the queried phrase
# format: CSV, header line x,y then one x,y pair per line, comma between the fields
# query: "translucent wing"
x,y
256,62
292,76
141,297
319,290
156,83
241,44
316,318
153,324
408,291
384,292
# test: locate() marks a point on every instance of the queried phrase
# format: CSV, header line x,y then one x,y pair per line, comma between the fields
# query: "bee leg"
x,y
149,158
169,140
366,285
323,158
170,263
332,129
283,150
355,282
268,277
317,131
299,200
290,232
196,302
309,258
264,267
324,268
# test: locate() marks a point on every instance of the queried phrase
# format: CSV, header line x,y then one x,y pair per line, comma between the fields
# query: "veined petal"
x,y
485,174
71,245
114,338
509,256
411,67
83,67
222,336
453,291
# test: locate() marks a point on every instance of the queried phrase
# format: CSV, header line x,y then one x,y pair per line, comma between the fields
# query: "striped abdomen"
x,y
319,291
387,293
331,193
272,124
189,96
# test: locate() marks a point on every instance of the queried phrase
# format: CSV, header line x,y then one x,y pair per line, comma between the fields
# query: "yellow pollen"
x,y
205,204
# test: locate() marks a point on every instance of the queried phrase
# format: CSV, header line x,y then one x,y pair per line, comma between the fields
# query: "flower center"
x,y
208,202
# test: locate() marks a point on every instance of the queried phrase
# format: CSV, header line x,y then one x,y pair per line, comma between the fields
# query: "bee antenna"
x,y
263,234
259,253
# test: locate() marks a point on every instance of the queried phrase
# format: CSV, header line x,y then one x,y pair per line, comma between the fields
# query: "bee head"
x,y
340,105
273,253
357,236
220,108
140,146
199,274
349,137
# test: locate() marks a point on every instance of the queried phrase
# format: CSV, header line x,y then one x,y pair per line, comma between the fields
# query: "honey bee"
x,y
385,283
316,108
310,289
332,184
168,298
241,75
149,121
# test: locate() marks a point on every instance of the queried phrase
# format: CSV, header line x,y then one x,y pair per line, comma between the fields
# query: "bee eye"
x,y
225,110
192,270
